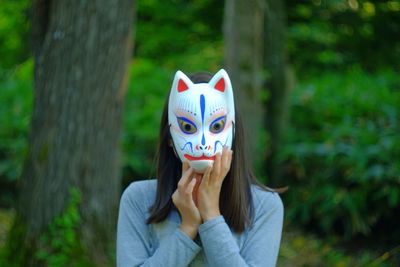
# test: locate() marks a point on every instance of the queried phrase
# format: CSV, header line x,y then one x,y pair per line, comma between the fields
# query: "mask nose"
x,y
203,147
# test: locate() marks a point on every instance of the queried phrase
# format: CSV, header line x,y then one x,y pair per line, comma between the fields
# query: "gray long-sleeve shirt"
x,y
164,244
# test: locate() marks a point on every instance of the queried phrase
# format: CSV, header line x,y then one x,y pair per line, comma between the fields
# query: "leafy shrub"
x,y
148,88
331,34
182,27
15,114
14,32
342,152
60,245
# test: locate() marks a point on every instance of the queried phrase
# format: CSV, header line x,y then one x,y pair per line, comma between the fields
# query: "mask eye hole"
x,y
186,125
218,125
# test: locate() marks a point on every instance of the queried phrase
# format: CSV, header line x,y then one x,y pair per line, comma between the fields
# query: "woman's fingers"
x,y
227,161
189,192
217,165
182,184
206,176
222,164
189,188
225,157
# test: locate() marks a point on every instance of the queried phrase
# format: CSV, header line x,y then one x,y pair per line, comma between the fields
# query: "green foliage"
x,y
148,88
60,245
330,34
15,114
14,251
181,27
14,27
341,152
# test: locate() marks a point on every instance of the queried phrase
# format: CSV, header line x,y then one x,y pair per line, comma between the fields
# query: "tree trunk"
x,y
243,35
81,51
279,82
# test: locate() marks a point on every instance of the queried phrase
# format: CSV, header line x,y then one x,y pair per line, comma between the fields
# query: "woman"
x,y
208,210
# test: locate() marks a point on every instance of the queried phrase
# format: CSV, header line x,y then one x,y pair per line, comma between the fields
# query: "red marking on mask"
x,y
182,86
220,85
202,157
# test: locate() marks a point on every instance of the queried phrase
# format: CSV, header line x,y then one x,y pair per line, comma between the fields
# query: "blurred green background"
x,y
340,152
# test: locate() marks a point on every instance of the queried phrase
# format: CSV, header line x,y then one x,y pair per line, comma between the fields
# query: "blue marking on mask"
x,y
187,144
202,107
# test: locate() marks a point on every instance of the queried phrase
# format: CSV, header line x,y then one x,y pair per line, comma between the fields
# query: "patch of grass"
x,y
301,249
6,219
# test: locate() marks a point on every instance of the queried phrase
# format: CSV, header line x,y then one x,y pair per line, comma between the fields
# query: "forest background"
x,y
335,140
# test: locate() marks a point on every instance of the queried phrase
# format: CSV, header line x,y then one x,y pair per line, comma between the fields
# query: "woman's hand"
x,y
182,198
210,186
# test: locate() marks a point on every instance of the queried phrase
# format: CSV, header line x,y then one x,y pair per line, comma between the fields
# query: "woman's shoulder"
x,y
143,191
265,201
149,184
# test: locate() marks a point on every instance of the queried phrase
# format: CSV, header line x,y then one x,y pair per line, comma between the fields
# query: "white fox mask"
x,y
201,117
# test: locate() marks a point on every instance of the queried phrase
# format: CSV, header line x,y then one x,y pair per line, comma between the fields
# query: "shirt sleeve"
x,y
261,244
134,246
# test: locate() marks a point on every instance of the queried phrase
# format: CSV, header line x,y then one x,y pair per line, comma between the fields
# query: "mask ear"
x,y
220,81
181,82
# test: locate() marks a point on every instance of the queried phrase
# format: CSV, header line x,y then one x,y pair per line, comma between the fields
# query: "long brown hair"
x,y
236,203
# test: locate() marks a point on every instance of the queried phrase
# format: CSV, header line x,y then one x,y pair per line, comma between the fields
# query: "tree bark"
x,y
243,35
81,51
279,82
